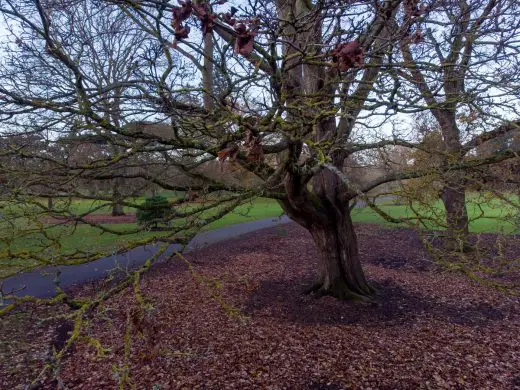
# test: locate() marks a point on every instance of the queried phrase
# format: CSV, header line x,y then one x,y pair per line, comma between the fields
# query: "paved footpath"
x,y
42,283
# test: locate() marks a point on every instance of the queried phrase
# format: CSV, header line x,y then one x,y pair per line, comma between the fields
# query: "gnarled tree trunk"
x,y
325,213
340,273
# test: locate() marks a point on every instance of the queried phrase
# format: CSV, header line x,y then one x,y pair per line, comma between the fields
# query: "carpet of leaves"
x,y
427,328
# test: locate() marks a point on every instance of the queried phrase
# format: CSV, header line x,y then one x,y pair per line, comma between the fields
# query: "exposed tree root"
x,y
340,291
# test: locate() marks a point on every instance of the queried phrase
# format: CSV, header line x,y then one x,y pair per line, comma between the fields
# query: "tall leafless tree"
x,y
461,65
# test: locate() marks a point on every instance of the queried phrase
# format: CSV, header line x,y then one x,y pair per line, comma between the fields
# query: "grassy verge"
x,y
487,214
17,251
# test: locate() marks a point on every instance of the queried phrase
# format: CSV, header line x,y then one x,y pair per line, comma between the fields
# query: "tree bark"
x,y
454,200
207,76
117,210
117,207
453,194
340,274
324,208
325,214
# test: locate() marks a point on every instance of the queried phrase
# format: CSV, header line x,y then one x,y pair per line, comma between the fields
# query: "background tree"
x,y
108,46
459,61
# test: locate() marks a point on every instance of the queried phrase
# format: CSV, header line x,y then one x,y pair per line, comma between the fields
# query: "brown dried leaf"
x,y
348,55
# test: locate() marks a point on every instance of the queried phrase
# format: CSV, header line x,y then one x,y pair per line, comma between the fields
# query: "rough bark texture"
x,y
117,207
327,217
454,200
340,274
321,203
453,194
117,210
207,76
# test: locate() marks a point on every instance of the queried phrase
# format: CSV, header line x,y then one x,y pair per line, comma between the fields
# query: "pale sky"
x,y
406,121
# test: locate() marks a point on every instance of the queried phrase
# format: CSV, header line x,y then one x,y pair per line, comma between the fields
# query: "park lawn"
x,y
487,215
60,242
489,224
259,208
77,206
95,242
92,240
84,206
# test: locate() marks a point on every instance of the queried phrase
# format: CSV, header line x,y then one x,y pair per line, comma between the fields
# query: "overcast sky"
x,y
3,31
406,121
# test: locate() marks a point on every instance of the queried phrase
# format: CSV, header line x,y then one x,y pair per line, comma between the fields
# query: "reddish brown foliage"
x,y
206,17
348,55
182,32
253,145
228,17
184,11
180,14
231,152
245,38
412,9
245,31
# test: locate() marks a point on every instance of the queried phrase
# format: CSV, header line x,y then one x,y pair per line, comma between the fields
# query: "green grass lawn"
x,y
62,241
76,206
259,208
65,240
487,215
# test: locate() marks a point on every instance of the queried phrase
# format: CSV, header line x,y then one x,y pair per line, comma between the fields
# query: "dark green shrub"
x,y
153,211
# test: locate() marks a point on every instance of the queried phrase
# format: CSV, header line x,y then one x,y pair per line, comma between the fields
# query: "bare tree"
x,y
296,76
108,46
461,60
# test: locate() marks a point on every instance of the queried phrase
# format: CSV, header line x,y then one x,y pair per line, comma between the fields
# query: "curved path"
x,y
42,283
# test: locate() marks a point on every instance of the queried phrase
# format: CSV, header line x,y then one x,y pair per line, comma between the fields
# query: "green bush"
x,y
153,211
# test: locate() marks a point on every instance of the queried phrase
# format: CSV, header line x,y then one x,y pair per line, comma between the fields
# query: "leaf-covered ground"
x,y
428,329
